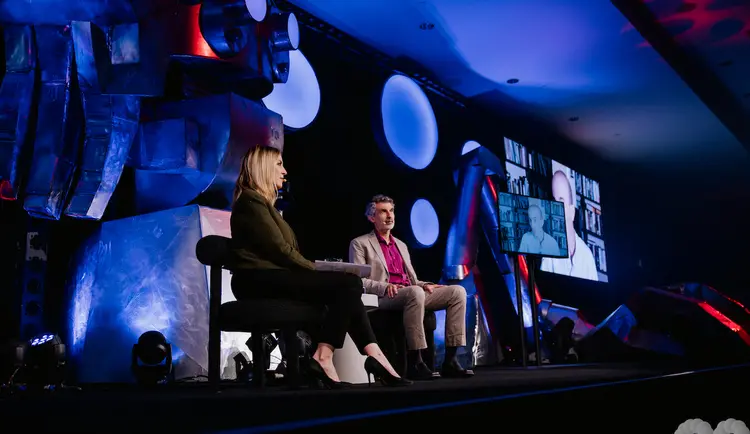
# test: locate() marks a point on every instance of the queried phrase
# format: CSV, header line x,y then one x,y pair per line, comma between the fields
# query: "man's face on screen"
x,y
536,220
561,192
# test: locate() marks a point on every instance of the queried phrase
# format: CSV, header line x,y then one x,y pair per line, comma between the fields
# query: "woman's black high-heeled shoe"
x,y
318,374
378,371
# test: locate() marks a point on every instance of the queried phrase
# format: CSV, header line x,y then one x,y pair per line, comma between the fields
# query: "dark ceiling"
x,y
661,82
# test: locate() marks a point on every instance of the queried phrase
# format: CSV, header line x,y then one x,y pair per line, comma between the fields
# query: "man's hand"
x,y
392,290
430,287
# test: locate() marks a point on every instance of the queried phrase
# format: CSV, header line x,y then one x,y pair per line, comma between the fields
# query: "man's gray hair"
x,y
378,198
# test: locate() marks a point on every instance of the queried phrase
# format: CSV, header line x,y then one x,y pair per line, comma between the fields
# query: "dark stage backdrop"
x,y
686,225
11,241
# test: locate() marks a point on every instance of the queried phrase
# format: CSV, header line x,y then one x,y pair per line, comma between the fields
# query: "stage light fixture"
x,y
19,354
469,146
297,100
408,123
151,358
44,359
285,31
257,9
11,360
424,222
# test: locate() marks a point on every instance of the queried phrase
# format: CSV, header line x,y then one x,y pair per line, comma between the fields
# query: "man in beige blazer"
x,y
394,280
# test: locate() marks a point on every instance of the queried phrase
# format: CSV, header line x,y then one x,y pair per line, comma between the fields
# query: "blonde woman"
x,y
267,264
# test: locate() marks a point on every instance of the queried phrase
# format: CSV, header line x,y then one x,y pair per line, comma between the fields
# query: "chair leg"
x,y
400,361
259,359
292,358
214,330
428,355
214,364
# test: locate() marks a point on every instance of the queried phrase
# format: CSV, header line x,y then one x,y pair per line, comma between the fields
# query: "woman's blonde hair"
x,y
257,172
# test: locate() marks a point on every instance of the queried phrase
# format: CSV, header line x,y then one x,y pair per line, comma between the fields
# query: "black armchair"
x,y
257,316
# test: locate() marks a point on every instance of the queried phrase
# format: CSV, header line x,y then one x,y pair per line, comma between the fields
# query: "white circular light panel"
x,y
257,9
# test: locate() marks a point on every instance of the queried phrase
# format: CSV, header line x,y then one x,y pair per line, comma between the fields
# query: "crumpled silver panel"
x,y
56,12
137,56
16,95
56,139
190,147
98,58
134,275
111,125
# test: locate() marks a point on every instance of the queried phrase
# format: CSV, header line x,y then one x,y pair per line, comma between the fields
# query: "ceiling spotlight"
x,y
573,119
512,81
257,9
151,358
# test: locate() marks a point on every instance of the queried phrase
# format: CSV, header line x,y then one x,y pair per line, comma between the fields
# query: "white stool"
x,y
349,363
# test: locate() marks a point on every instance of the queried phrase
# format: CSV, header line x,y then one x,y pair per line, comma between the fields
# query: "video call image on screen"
x,y
532,174
530,226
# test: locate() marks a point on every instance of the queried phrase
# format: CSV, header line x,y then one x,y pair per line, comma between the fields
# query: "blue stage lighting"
x,y
424,222
140,274
41,340
297,100
408,122
293,30
257,9
469,146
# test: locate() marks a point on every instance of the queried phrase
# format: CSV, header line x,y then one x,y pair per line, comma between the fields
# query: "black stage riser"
x,y
665,402
658,406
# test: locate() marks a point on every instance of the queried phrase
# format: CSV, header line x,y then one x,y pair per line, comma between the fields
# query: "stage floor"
x,y
505,393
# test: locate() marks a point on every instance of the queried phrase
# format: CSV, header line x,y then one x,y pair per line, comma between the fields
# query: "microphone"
x,y
284,196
